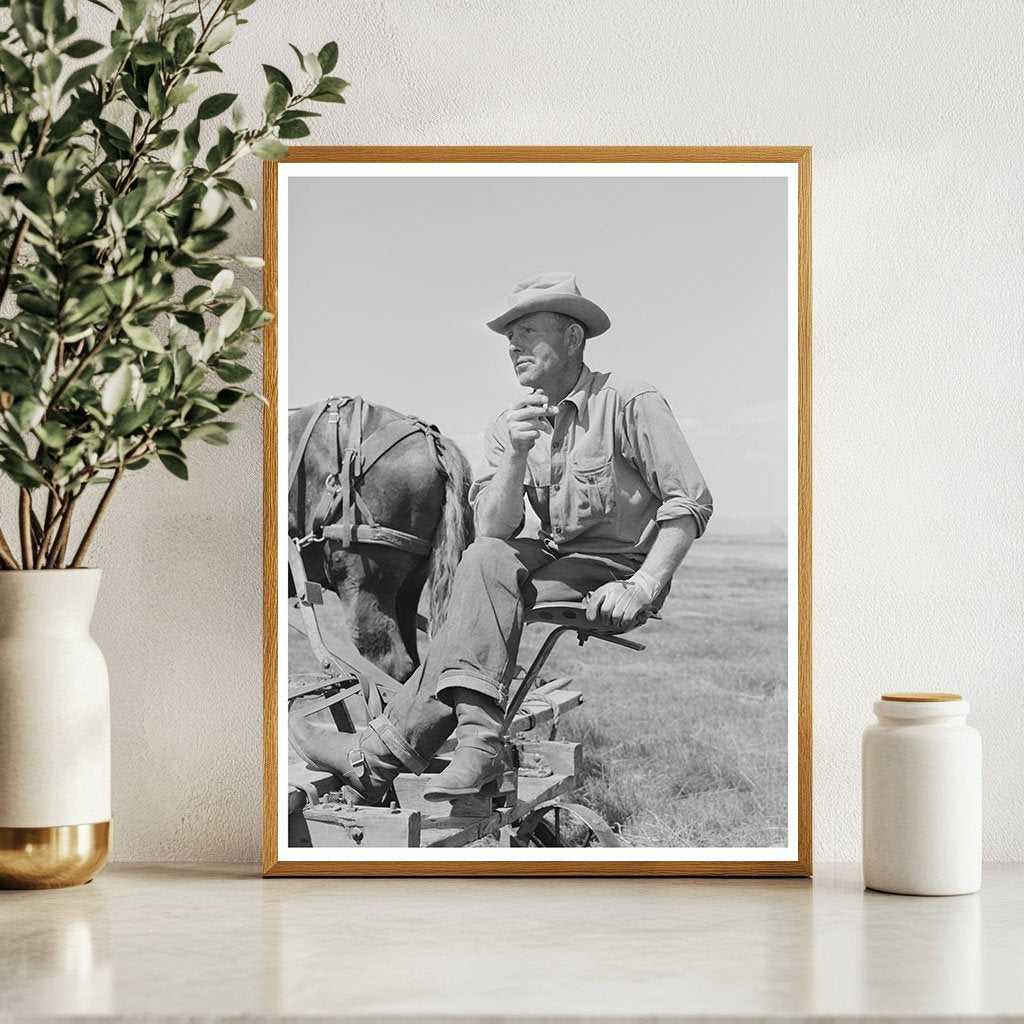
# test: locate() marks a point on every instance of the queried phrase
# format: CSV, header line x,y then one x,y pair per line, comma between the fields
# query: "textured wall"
x,y
913,110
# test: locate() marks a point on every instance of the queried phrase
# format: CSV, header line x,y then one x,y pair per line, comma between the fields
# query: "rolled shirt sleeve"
x,y
653,441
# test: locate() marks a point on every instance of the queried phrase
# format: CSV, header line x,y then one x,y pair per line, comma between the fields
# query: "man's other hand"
x,y
526,420
623,604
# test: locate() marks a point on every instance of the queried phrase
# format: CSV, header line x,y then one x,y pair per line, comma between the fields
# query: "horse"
x,y
379,503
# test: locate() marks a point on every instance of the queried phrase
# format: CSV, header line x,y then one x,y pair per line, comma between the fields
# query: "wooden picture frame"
x,y
794,161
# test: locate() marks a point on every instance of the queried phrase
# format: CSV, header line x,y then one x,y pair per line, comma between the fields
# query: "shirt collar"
x,y
581,389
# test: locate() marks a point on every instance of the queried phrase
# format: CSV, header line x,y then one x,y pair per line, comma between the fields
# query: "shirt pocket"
x,y
592,484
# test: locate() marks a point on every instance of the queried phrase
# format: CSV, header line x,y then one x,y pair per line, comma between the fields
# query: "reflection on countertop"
x,y
178,941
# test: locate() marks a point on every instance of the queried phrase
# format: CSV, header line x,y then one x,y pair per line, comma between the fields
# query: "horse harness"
x,y
356,455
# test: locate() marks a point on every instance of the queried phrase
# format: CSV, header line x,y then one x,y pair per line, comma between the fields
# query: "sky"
x,y
392,279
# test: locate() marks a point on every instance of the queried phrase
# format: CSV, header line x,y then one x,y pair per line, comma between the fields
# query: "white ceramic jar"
x,y
921,778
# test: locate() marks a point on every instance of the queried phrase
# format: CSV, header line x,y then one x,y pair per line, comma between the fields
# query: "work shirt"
x,y
614,466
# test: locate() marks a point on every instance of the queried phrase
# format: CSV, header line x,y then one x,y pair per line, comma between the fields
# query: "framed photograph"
x,y
538,511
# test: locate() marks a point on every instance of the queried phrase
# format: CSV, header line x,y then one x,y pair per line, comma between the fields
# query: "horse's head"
x,y
404,489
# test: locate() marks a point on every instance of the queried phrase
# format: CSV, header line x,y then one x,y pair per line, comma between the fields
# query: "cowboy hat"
x,y
552,293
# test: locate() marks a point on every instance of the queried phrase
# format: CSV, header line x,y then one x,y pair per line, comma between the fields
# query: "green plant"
x,y
123,334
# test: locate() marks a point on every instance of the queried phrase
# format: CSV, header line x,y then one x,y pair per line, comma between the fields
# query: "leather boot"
x,y
478,761
361,761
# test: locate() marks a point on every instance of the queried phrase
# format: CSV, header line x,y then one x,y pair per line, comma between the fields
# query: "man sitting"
x,y
620,499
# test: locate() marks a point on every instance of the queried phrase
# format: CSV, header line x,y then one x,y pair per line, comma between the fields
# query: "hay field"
x,y
685,742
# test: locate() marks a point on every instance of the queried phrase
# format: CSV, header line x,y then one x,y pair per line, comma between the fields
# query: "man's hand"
x,y
623,604
526,421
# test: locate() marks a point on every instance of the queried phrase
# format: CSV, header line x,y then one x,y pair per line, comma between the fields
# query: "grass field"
x,y
685,742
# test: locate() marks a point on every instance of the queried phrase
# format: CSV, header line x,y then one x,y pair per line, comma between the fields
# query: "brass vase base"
x,y
53,857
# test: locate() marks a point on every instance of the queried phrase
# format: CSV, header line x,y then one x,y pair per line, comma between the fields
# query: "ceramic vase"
x,y
54,731
922,796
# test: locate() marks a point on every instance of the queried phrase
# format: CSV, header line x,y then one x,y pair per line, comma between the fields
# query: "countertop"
x,y
176,942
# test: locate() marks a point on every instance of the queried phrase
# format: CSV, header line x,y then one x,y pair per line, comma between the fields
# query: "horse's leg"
x,y
407,604
367,587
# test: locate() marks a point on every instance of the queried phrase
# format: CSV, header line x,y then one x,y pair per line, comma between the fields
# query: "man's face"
x,y
540,347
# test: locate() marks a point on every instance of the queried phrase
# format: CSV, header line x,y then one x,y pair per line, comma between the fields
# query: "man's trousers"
x,y
495,583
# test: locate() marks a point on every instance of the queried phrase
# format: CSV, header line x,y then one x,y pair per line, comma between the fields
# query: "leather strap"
x,y
382,535
382,440
300,449
343,655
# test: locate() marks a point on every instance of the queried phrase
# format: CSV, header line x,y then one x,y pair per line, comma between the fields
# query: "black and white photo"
x,y
538,535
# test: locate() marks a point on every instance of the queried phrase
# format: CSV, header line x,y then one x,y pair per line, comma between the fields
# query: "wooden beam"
x,y
338,824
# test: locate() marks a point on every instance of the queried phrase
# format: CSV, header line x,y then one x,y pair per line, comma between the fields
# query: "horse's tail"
x,y
454,532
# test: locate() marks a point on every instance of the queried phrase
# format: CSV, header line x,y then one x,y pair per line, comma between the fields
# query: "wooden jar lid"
x,y
921,698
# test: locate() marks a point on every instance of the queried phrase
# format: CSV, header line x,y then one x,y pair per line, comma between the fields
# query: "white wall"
x,y
914,113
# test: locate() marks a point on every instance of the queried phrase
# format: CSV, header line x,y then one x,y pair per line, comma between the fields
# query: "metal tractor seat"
x,y
566,617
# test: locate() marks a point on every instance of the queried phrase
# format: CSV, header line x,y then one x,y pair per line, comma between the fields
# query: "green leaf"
x,y
52,435
181,93
269,149
211,433
144,338
83,48
21,471
49,68
78,78
162,139
14,68
211,208
11,356
275,75
116,390
133,12
222,281
328,57
276,99
35,304
216,104
232,319
128,421
196,296
175,465
221,35
25,16
66,29
334,84
293,130
193,379
115,133
228,397
233,373
53,14
184,44
149,53
111,63
129,207
26,413
324,96
156,99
